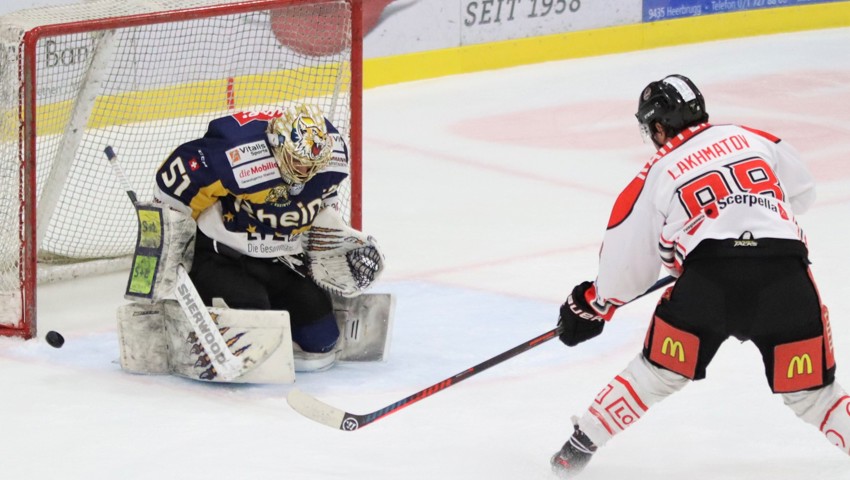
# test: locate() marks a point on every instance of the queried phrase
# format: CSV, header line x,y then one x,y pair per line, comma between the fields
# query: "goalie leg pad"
x,y
156,339
261,338
366,324
141,339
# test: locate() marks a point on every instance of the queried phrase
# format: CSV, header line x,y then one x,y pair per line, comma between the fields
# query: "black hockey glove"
x,y
579,320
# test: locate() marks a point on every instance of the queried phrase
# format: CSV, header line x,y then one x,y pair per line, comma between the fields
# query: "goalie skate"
x,y
313,362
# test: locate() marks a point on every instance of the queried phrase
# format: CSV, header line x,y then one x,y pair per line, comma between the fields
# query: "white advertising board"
x,y
408,26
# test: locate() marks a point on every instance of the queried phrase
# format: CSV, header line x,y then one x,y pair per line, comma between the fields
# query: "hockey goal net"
x,y
143,77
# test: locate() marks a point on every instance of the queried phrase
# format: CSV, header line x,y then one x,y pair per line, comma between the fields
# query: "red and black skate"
x,y
573,456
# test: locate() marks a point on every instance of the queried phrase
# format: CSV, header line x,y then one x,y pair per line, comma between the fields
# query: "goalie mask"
x,y
301,143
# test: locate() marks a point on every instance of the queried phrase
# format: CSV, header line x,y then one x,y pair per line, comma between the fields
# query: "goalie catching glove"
x,y
582,318
341,260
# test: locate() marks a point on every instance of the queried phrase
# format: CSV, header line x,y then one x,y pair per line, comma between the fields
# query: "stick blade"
x,y
315,409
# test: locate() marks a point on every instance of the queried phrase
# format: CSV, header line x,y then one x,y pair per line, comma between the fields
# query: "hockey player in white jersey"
x,y
716,207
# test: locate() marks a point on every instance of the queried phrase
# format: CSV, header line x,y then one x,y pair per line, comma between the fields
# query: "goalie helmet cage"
x,y
143,77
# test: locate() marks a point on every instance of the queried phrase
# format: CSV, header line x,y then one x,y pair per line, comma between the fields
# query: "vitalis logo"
x,y
248,152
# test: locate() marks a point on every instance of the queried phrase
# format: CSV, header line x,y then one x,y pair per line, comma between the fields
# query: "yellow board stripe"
x,y
274,88
489,56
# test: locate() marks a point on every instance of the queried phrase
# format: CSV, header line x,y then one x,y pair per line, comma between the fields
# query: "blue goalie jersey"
x,y
229,181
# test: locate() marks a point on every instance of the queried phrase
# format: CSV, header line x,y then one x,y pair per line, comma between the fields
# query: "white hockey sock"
x,y
626,398
828,409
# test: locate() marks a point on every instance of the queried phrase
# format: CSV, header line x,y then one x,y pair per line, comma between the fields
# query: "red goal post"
x,y
144,77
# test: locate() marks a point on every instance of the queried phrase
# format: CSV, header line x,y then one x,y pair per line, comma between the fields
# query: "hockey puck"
x,y
55,339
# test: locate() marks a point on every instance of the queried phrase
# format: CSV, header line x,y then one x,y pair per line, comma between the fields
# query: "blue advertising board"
x,y
654,10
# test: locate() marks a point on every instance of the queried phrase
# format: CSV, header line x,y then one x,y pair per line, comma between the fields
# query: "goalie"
x,y
263,188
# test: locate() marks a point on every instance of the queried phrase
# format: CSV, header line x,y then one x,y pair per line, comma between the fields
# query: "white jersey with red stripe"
x,y
709,182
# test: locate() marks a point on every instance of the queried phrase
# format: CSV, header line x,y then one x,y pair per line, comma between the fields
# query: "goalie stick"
x,y
333,417
119,172
226,364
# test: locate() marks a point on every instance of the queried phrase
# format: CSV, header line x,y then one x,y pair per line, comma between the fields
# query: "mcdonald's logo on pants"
x,y
674,349
798,365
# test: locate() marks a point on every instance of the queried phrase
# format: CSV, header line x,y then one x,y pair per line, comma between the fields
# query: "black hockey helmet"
x,y
674,102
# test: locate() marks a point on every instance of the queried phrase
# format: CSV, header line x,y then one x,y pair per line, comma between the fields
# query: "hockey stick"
x,y
333,417
119,172
227,365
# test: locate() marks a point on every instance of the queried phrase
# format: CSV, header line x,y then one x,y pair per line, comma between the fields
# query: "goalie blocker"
x,y
158,335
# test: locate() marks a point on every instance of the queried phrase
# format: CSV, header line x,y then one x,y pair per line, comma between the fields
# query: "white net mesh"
x,y
144,88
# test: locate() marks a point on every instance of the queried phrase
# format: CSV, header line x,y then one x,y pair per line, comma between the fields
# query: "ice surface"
x,y
489,193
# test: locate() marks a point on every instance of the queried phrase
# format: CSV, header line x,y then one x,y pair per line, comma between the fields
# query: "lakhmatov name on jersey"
x,y
714,151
